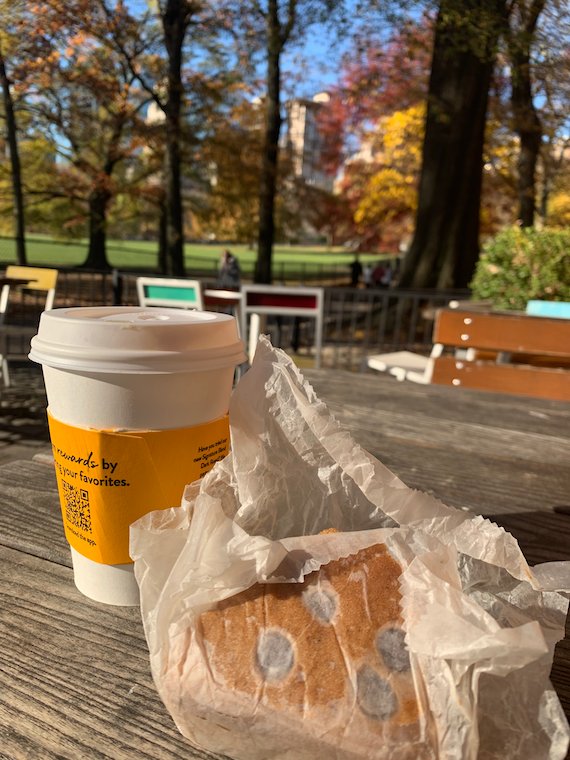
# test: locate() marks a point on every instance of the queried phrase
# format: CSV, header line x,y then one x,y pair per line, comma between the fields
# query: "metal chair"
x,y
231,300
187,294
26,282
261,300
405,365
175,293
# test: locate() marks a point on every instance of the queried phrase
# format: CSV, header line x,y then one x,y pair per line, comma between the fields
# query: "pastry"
x,y
327,655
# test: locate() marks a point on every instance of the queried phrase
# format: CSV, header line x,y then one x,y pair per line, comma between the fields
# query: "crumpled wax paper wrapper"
x,y
480,626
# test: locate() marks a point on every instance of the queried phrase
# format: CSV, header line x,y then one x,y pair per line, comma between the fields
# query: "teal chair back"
x,y
175,293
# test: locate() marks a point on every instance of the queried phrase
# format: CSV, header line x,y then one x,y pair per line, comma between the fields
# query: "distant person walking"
x,y
355,272
367,275
229,274
387,279
378,275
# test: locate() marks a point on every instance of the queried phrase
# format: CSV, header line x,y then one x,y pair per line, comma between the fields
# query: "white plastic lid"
x,y
136,340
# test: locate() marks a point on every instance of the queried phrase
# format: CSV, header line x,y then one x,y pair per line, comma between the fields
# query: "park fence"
x,y
357,322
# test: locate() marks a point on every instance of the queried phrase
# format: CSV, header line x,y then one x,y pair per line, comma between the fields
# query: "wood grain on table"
x,y
99,701
492,453
75,681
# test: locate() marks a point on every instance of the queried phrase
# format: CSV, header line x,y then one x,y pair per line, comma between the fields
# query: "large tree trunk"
x,y
97,255
174,231
526,122
19,226
445,247
98,203
270,148
530,138
175,19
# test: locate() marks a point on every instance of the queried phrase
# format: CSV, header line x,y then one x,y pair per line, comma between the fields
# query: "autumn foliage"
x,y
373,129
151,120
89,105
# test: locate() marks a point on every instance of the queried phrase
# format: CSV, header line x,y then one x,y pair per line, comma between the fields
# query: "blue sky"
x,y
322,63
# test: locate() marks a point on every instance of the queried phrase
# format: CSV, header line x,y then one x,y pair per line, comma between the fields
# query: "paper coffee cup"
x,y
138,401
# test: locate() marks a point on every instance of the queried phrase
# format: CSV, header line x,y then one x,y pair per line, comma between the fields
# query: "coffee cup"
x,y
138,401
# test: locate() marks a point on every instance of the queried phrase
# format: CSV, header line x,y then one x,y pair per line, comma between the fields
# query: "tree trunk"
x,y
526,167
19,227
98,202
175,20
162,239
270,149
174,230
445,246
544,196
526,122
97,256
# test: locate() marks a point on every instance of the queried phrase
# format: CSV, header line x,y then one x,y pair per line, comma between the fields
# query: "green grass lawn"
x,y
44,251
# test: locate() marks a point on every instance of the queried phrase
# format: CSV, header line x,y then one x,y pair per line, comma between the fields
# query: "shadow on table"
x,y
23,405
542,536
559,673
545,537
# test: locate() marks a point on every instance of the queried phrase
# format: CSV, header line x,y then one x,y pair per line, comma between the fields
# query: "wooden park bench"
x,y
507,353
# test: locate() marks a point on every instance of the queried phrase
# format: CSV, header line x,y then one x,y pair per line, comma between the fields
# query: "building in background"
x,y
304,141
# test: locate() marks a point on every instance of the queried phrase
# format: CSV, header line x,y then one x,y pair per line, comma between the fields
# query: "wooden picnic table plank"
x,y
74,674
52,716
30,514
380,391
469,437
542,536
470,449
464,463
485,485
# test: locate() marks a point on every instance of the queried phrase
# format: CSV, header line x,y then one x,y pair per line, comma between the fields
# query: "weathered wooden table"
x,y
74,675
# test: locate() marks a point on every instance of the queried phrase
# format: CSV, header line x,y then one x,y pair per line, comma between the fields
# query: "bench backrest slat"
x,y
503,332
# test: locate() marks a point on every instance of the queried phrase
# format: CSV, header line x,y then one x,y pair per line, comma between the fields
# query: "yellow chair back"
x,y
37,277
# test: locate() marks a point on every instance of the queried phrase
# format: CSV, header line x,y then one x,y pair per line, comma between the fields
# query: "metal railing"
x,y
363,322
357,322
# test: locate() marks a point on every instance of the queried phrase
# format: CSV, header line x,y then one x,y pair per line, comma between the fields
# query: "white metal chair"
x,y
280,300
226,299
20,280
177,293
405,365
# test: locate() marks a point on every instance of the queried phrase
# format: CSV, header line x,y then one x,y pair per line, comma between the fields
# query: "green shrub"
x,y
521,264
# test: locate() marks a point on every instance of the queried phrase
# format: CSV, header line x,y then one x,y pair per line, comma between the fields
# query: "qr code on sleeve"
x,y
77,506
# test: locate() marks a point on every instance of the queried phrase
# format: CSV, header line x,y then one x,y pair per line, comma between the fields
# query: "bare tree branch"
x,y
259,9
291,17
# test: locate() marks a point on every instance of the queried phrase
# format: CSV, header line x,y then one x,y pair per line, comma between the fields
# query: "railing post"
x,y
117,284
